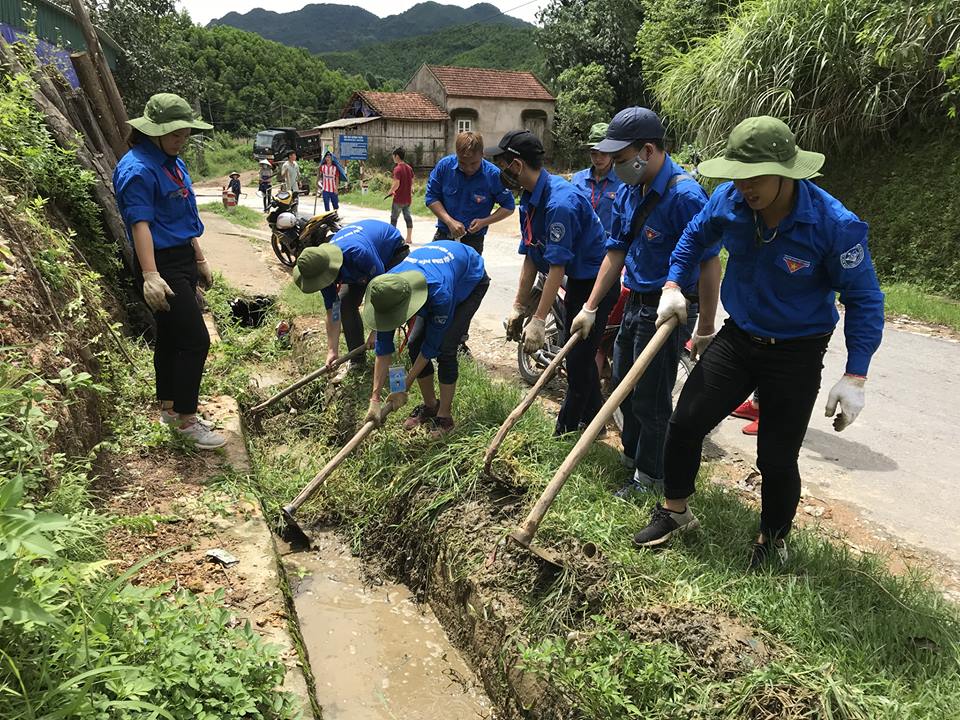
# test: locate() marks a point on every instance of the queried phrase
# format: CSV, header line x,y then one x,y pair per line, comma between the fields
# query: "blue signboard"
x,y
353,147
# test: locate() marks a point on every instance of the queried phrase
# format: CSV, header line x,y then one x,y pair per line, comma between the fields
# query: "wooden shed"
x,y
390,119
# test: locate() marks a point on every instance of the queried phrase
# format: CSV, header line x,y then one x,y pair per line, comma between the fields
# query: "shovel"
x,y
518,412
523,534
308,378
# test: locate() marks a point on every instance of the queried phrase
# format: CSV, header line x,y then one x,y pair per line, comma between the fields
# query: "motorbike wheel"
x,y
531,367
683,372
284,254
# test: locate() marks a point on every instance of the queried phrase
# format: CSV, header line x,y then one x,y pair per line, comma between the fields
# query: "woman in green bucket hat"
x,y
791,247
156,200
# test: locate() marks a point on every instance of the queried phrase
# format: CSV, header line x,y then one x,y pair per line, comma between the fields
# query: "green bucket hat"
x,y
762,145
165,113
317,267
393,298
598,131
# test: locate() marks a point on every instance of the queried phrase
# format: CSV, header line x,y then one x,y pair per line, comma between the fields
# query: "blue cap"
x,y
629,125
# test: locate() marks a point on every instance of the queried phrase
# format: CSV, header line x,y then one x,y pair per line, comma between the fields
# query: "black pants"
x,y
180,351
449,369
584,397
471,240
733,366
351,297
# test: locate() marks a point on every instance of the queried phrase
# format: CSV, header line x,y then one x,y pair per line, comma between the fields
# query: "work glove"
x,y
156,291
534,335
206,274
332,355
513,323
375,413
849,393
583,323
698,344
672,304
395,401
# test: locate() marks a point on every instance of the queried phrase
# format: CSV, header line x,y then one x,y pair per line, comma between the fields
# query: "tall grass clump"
x,y
841,72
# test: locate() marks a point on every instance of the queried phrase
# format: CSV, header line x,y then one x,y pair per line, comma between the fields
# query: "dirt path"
x,y
242,255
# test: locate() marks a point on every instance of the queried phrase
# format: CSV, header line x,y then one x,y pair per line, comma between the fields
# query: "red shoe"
x,y
751,428
747,411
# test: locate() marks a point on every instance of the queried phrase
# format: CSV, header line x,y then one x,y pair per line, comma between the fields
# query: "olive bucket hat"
x,y
762,145
598,131
317,267
166,113
393,298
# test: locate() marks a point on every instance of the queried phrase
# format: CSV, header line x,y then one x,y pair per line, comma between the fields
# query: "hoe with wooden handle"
x,y
523,534
308,378
527,401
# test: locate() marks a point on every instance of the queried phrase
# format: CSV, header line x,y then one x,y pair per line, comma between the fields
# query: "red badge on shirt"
x,y
794,264
650,233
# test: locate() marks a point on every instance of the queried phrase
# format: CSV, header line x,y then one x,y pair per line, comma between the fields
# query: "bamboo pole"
x,y
100,63
90,82
81,107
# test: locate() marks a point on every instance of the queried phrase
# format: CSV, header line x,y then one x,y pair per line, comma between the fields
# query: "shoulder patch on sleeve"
x,y
852,257
557,231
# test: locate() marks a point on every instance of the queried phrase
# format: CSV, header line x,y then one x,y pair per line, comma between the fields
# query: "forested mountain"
x,y
325,27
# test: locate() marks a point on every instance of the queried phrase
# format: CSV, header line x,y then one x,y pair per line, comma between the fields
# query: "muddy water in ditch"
x,y
374,652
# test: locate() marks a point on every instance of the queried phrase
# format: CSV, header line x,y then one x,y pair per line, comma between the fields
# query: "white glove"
x,y
849,393
156,291
534,335
583,322
672,304
513,323
206,274
375,413
699,343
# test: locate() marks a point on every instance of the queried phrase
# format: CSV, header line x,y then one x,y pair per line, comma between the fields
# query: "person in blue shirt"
x,y
158,206
462,190
600,180
340,271
442,284
652,208
792,247
561,236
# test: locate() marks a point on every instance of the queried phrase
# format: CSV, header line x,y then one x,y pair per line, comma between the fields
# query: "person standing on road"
x,y
561,236
600,180
158,206
442,284
290,175
402,192
266,183
233,184
330,182
652,207
792,247
462,190
341,269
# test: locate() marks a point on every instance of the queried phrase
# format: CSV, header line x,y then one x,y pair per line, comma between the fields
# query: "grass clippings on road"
x,y
913,302
238,215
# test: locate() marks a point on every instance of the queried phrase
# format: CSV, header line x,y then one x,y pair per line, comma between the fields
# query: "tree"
x,y
584,98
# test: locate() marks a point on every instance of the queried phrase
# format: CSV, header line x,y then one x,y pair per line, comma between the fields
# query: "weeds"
x,y
239,215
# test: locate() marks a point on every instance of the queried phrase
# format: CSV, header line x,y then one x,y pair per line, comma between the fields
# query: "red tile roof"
x,y
483,82
403,106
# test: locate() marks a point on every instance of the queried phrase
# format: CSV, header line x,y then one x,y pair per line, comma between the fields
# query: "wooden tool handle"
x,y
527,401
525,532
321,477
310,377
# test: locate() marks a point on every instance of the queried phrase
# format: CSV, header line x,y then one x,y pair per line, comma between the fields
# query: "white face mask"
x,y
631,171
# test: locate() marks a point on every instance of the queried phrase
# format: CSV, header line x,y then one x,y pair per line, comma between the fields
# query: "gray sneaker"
x,y
640,484
202,437
663,525
761,553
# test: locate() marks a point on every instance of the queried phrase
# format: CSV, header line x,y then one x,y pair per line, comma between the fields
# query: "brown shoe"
x,y
421,414
440,426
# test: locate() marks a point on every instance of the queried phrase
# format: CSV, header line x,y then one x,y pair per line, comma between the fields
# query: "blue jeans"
x,y
647,409
330,198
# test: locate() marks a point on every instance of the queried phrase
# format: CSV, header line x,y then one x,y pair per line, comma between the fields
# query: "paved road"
x,y
899,463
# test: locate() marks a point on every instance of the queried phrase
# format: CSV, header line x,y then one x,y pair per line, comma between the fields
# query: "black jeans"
x,y
351,297
182,342
734,365
449,369
584,397
472,240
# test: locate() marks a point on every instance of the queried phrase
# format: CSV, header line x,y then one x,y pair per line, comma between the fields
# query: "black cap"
x,y
629,125
517,143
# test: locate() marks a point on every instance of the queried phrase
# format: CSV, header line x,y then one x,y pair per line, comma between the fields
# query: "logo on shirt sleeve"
x,y
650,233
557,231
852,257
794,264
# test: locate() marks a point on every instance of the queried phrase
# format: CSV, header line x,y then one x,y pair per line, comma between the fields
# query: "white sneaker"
x,y
201,436
168,417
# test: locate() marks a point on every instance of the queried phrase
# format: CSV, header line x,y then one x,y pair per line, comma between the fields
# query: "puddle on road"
x,y
374,652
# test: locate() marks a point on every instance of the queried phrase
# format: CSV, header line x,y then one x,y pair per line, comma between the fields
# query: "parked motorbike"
x,y
291,234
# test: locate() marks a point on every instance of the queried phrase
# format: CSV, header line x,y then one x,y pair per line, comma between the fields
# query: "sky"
x,y
203,11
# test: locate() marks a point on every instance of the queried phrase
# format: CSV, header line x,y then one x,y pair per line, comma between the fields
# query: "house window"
x,y
464,125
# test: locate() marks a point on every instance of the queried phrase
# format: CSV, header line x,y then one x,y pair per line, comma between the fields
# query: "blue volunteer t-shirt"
x,y
453,271
154,187
785,288
559,227
367,245
648,253
467,197
602,193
